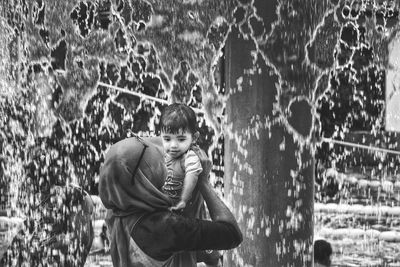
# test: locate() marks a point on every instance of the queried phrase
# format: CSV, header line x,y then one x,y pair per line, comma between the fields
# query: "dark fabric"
x,y
129,195
116,189
125,199
137,206
160,234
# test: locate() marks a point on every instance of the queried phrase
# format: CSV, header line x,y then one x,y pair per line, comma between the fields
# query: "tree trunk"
x,y
269,171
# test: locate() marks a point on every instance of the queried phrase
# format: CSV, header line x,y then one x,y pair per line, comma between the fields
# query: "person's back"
x,y
140,222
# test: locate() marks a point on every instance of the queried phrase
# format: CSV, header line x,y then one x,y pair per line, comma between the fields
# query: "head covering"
x,y
130,180
131,177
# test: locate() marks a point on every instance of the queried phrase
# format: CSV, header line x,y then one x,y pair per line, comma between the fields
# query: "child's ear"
x,y
196,137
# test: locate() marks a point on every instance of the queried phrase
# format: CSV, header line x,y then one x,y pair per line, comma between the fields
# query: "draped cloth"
x,y
130,187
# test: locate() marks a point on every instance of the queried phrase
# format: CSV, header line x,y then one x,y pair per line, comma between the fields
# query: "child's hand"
x,y
181,205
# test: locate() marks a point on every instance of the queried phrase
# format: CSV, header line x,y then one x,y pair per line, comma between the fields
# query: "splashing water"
x,y
357,201
60,111
59,114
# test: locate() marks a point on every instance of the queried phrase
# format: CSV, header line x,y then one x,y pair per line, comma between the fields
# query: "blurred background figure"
x,y
322,253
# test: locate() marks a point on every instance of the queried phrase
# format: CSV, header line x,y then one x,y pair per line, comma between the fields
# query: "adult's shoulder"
x,y
155,141
124,148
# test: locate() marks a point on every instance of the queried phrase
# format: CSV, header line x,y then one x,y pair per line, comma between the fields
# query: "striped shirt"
x,y
177,170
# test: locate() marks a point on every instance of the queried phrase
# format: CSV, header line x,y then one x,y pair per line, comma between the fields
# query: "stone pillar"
x,y
269,172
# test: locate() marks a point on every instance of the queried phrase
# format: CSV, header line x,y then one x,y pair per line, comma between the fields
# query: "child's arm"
x,y
188,186
192,170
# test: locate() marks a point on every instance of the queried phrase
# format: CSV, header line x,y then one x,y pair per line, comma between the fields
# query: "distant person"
x,y
179,135
322,253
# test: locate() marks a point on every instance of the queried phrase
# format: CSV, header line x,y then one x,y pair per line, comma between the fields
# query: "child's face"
x,y
177,144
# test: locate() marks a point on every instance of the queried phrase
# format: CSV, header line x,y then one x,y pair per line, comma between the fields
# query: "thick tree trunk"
x,y
268,170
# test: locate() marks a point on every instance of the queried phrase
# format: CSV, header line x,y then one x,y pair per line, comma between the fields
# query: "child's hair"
x,y
178,117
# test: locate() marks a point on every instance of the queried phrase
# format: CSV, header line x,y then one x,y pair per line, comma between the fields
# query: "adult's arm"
x,y
160,234
219,212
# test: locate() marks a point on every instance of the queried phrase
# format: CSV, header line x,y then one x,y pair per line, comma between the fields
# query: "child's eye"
x,y
181,139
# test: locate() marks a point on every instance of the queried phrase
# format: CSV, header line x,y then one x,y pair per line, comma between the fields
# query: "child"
x,y
179,135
